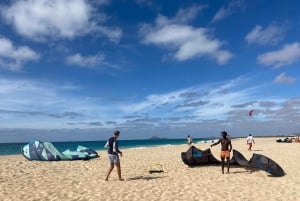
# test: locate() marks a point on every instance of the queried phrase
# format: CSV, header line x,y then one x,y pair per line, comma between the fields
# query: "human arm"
x,y
117,148
119,151
230,146
215,143
106,144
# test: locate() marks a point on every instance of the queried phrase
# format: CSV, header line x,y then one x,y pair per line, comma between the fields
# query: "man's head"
x,y
116,133
250,134
224,134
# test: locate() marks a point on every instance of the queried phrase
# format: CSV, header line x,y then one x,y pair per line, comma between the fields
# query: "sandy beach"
x,y
21,179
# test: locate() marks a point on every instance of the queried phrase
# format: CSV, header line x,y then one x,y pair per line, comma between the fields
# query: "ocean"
x,y
15,148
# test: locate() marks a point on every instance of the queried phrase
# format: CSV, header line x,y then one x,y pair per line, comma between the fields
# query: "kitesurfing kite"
x,y
196,157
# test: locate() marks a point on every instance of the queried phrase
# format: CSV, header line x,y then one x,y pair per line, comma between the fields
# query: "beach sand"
x,y
21,179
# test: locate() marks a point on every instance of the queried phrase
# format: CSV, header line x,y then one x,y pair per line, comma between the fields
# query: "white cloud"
x,y
218,99
283,78
185,41
270,35
22,94
289,54
86,62
114,34
232,7
13,58
183,16
155,100
206,107
25,101
38,19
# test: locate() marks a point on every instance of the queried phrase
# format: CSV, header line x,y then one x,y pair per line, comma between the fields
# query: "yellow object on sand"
x,y
156,168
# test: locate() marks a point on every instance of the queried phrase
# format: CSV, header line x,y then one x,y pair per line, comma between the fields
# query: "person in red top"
x,y
226,148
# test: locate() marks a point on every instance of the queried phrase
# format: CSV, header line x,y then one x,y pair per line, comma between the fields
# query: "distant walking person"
x,y
113,155
226,148
189,140
250,141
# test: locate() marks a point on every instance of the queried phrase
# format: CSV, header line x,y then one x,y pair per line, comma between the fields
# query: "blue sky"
x,y
78,69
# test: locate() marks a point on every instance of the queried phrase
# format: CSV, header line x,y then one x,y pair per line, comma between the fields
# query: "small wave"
x,y
166,145
151,146
136,147
208,141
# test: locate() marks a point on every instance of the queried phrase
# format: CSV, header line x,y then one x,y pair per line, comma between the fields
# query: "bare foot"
x,y
121,179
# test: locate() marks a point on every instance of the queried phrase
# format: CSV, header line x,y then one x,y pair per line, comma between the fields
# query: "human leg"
x,y
109,171
228,163
250,146
223,163
118,166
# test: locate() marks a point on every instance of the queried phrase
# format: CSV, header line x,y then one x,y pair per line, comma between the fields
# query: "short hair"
x,y
224,133
117,132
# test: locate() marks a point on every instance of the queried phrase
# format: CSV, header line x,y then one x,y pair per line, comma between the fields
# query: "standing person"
x,y
189,140
226,148
113,155
250,141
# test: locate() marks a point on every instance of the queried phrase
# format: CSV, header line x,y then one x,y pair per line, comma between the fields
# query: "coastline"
x,y
21,179
15,148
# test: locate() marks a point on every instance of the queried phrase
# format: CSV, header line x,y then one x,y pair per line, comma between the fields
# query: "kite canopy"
x,y
264,163
45,151
196,157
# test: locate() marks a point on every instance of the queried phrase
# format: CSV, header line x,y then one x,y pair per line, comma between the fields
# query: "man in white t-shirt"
x,y
189,140
250,141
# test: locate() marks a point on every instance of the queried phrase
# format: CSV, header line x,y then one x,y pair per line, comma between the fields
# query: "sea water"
x,y
15,148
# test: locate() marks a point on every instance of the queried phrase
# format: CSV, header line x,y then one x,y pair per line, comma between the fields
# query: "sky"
x,y
74,70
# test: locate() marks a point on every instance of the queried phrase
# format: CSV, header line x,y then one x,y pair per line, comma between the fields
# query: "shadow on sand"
x,y
246,170
233,168
257,150
145,178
